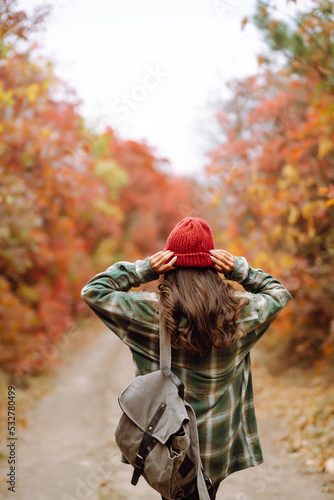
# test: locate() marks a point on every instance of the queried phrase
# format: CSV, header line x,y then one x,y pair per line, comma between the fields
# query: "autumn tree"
x,y
276,170
72,201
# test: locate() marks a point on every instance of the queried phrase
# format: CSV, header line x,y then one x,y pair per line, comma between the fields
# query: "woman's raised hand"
x,y
158,262
223,261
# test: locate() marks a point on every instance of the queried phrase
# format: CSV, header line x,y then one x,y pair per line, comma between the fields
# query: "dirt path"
x,y
68,451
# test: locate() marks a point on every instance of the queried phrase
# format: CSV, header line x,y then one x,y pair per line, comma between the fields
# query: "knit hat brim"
x,y
200,259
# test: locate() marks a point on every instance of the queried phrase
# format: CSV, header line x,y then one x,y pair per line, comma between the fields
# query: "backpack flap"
x,y
143,397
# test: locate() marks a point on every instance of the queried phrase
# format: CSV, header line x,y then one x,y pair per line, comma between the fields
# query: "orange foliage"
x,y
276,171
72,202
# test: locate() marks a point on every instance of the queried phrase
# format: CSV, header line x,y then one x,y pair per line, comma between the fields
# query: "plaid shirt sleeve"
x,y
107,294
267,296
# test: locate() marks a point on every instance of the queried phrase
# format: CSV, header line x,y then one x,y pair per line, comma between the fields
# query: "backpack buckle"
x,y
138,469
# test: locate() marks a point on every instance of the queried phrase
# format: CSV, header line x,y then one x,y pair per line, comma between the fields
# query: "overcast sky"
x,y
149,68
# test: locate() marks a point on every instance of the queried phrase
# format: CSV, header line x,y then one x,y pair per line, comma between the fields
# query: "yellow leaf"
x,y
325,147
32,92
216,200
290,172
45,85
46,131
277,232
266,207
6,96
28,293
293,214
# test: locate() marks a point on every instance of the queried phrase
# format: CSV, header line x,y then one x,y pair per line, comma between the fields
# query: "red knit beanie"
x,y
191,239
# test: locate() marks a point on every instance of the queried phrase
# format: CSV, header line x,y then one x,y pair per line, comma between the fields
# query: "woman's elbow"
x,y
85,295
286,297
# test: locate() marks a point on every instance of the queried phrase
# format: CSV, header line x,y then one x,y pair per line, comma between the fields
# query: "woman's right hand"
x,y
159,259
224,261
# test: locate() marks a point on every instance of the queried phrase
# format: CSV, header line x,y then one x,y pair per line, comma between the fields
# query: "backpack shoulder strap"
x,y
202,487
165,346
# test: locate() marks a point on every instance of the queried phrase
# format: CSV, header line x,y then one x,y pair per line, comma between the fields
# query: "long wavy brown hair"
x,y
209,305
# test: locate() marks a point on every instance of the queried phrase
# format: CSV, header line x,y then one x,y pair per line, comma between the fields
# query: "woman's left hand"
x,y
223,261
158,262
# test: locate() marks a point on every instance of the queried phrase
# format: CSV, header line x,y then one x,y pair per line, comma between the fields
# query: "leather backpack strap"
x,y
165,358
202,487
165,346
176,381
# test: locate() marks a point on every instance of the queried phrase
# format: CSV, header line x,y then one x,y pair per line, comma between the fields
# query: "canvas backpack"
x,y
157,432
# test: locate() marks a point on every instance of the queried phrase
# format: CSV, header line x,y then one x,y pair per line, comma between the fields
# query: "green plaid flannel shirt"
x,y
218,387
